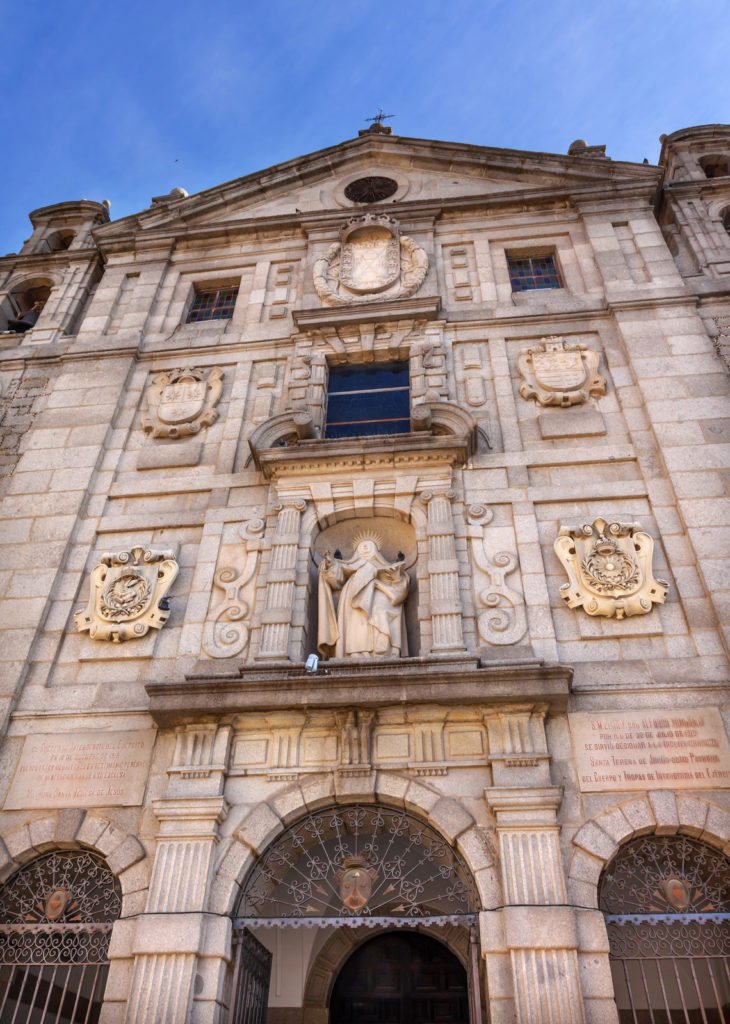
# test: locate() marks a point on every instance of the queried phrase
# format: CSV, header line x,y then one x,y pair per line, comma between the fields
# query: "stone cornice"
x,y
566,196
413,681
417,308
363,453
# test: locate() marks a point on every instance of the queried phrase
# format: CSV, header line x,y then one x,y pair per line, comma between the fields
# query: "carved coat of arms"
x,y
558,372
355,879
609,569
180,402
128,594
371,261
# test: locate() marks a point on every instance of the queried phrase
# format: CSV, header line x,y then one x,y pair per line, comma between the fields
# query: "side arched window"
x,y
666,900
56,917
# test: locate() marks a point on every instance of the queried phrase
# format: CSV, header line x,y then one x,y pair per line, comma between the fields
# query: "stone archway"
x,y
355,870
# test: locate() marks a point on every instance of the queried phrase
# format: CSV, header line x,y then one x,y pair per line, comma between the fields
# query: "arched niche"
x,y
342,542
59,241
24,303
715,165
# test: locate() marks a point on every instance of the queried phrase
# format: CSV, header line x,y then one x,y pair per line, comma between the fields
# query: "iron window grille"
x,y
401,869
56,918
212,304
527,273
365,400
666,901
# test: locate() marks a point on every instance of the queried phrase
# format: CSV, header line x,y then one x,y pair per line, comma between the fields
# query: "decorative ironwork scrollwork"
x,y
365,860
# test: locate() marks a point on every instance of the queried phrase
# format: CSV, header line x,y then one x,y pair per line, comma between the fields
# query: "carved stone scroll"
x,y
227,633
558,372
180,402
502,619
128,594
609,569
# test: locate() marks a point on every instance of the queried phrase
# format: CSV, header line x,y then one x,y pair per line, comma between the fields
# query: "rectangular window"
x,y
213,304
365,400
529,272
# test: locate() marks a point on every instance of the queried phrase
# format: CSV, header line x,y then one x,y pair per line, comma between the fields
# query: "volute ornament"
x,y
371,261
559,372
128,594
609,569
180,402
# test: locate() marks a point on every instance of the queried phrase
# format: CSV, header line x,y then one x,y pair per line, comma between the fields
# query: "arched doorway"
x,y
56,918
666,900
342,869
401,978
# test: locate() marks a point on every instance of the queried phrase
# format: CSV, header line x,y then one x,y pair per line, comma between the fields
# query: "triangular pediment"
x,y
424,172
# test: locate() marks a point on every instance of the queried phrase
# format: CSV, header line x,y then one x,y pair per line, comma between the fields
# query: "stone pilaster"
x,y
534,935
443,570
281,579
173,930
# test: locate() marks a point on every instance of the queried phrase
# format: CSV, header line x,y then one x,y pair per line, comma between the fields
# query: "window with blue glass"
x,y
213,304
364,400
529,272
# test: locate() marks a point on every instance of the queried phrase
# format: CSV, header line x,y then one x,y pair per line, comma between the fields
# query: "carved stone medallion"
x,y
127,597
180,402
558,372
609,568
355,880
371,261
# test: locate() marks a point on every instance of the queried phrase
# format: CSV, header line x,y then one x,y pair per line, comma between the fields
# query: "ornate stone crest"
x,y
180,402
128,591
559,372
609,567
371,261
355,881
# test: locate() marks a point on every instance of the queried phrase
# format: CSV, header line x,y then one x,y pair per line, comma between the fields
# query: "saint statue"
x,y
369,620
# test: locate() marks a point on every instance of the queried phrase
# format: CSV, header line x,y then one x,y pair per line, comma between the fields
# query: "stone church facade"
x,y
365,593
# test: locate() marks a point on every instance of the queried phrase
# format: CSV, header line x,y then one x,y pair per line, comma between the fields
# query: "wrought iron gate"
x,y
667,906
250,979
56,919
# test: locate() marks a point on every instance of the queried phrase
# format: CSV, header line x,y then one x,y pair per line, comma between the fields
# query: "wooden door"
x,y
401,978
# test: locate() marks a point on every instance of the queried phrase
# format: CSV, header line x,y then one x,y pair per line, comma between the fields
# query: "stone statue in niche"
x,y
609,569
371,261
366,619
558,372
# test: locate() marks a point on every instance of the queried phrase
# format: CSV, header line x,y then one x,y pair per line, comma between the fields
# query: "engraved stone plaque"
x,y
82,769
654,749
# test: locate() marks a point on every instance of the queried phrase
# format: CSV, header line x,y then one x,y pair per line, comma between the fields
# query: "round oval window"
x,y
371,190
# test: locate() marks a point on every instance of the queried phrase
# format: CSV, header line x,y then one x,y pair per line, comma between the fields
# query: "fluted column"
x,y
281,580
534,930
443,570
173,930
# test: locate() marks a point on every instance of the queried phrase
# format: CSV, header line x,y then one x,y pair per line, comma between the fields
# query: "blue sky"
x,y
123,101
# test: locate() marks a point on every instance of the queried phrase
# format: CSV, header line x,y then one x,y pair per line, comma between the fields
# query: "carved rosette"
x,y
558,372
228,630
371,261
180,402
128,594
609,566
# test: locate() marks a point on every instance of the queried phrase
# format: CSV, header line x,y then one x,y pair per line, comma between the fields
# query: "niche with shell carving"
x,y
364,590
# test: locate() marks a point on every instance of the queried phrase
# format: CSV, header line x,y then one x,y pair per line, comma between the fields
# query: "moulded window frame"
x,y
201,287
404,362
535,252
